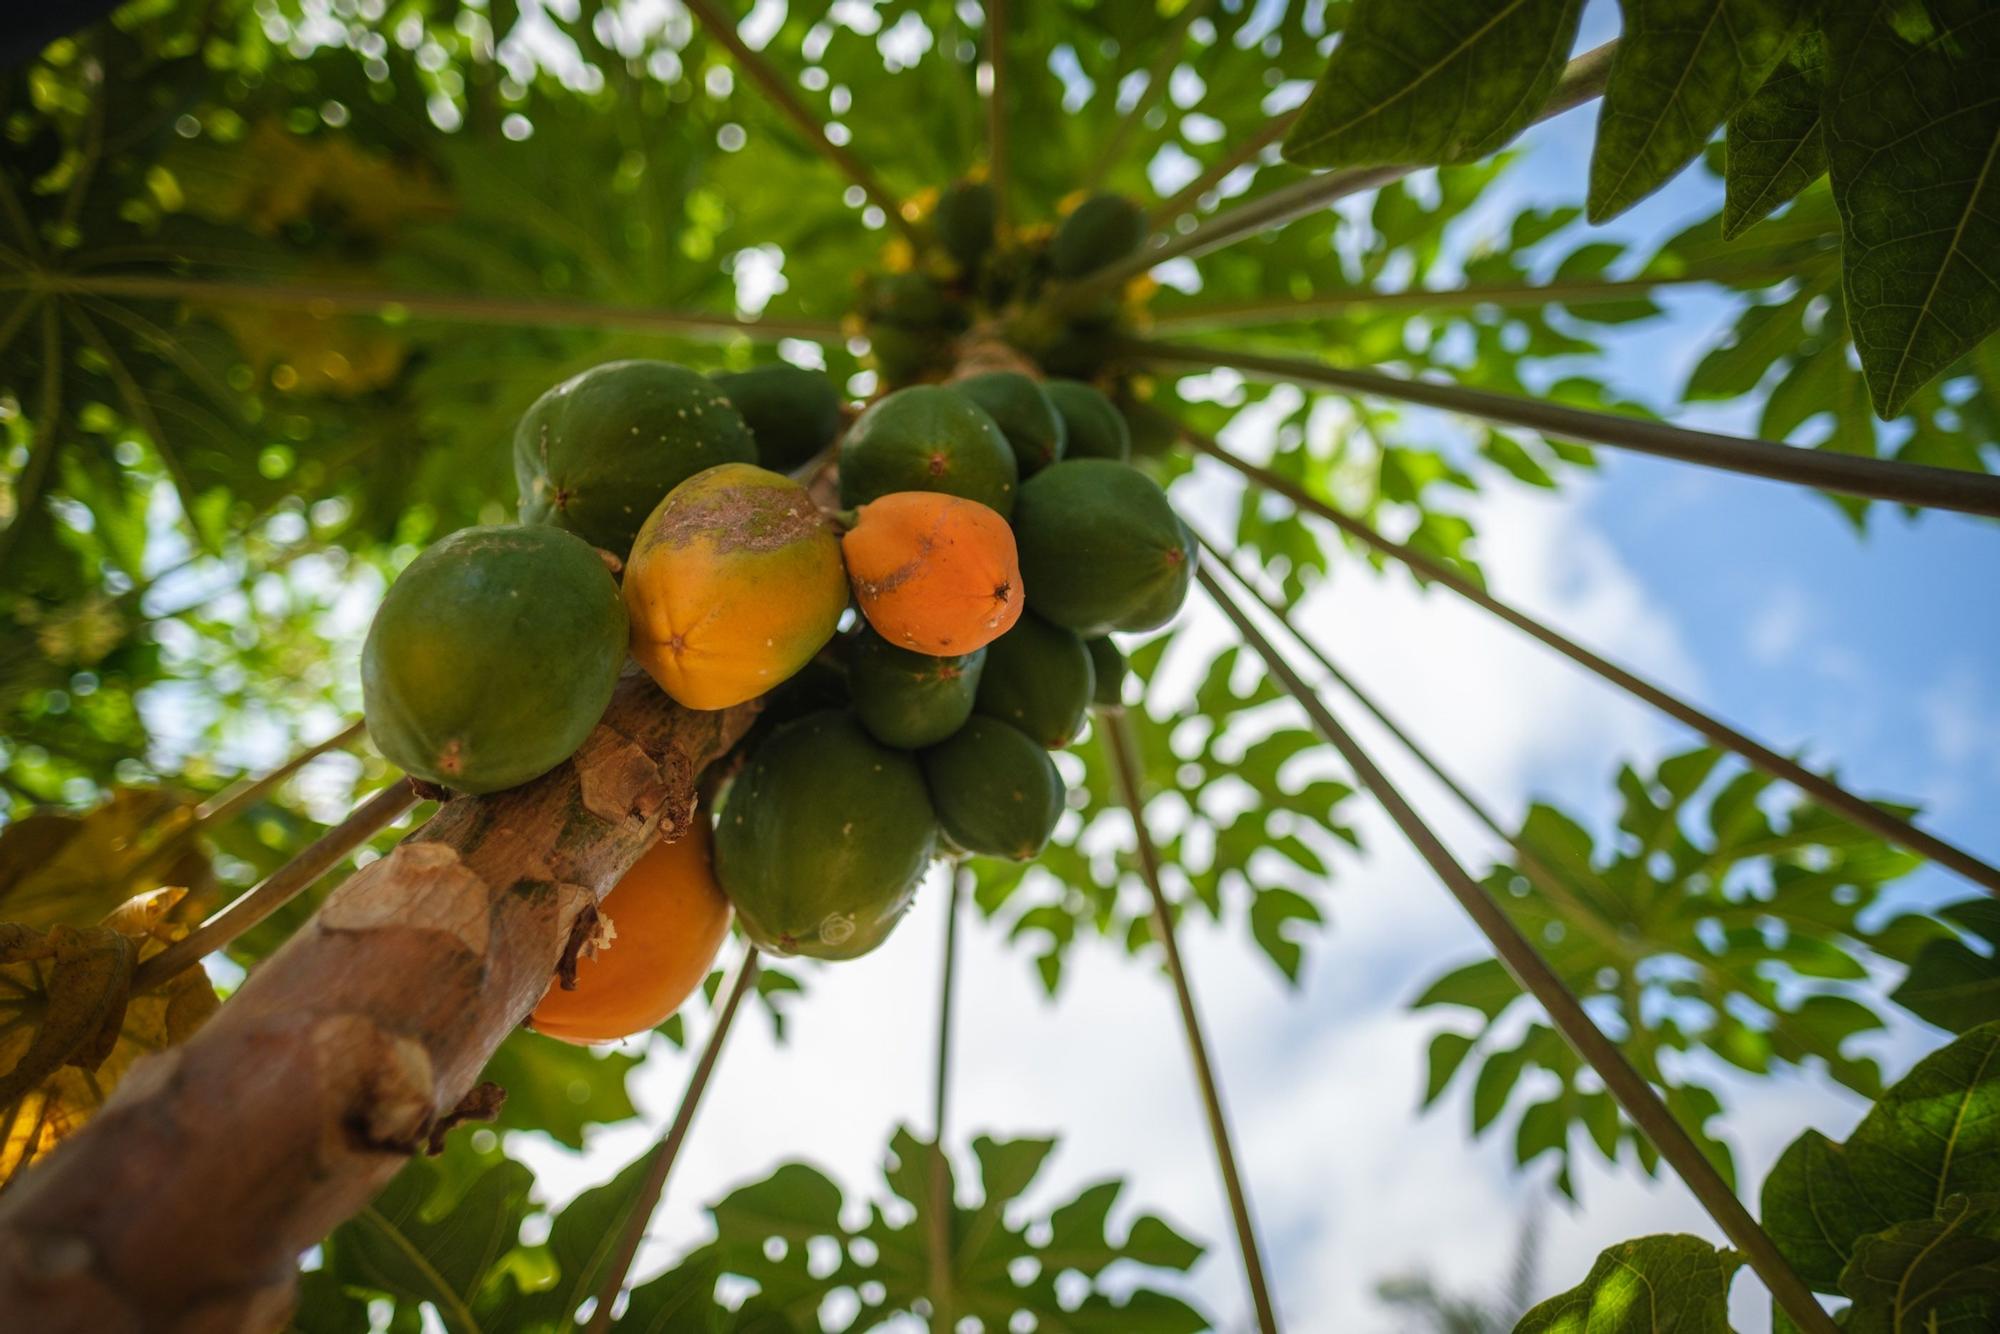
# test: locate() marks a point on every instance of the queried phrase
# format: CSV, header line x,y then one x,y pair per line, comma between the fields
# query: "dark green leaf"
x,y
1950,984
1913,144
1775,148
1408,84
1929,1274
1682,69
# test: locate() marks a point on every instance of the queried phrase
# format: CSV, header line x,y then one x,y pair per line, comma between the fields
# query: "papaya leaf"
x,y
558,1088
787,1236
1414,85
71,1027
1716,922
1913,145
1928,1274
71,869
1934,1135
1682,68
1668,1284
581,1239
1949,983
1775,147
421,1242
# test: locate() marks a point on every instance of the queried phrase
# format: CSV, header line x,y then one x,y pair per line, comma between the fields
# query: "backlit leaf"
x,y
1913,144
1409,84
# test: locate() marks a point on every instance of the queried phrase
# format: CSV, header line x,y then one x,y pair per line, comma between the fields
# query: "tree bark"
x,y
185,1204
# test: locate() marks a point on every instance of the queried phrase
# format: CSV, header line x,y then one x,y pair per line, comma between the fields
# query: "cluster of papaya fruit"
x,y
920,644
976,271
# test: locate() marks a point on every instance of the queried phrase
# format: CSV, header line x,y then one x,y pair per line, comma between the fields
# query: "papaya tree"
x,y
708,466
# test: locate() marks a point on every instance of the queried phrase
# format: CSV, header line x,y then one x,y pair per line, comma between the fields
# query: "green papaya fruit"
x,y
596,453
1164,602
1101,229
927,438
910,700
903,355
820,684
965,218
1100,547
1093,427
1153,432
822,838
793,413
996,792
1107,664
492,656
1023,413
906,300
1038,678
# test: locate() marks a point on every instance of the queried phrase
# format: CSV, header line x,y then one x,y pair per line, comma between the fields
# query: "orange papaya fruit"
x,y
668,917
933,573
735,582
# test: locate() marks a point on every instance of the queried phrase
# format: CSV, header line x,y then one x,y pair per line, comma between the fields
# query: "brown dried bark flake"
x,y
184,1205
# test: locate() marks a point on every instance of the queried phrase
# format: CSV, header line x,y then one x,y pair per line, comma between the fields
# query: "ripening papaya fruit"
x,y
595,454
823,837
932,573
1100,547
793,413
667,920
735,582
1107,665
492,656
909,700
927,438
1101,229
966,217
1093,427
1033,428
1038,678
996,792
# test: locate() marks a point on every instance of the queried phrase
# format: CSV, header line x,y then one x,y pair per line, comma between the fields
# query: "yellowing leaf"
x,y
69,1028
70,869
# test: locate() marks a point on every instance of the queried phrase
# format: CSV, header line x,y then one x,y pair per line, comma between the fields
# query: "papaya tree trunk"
x,y
185,1204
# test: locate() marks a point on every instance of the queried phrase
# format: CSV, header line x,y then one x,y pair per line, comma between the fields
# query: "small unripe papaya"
x,y
933,574
823,837
1107,662
1101,229
595,454
928,438
735,582
1101,548
1093,426
965,218
792,412
1033,427
1038,678
907,699
995,791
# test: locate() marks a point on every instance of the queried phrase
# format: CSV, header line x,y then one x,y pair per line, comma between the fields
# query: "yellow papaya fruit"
x,y
735,582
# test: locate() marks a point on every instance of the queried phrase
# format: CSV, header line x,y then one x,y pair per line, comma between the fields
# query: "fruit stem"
x,y
942,1205
738,985
1125,771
